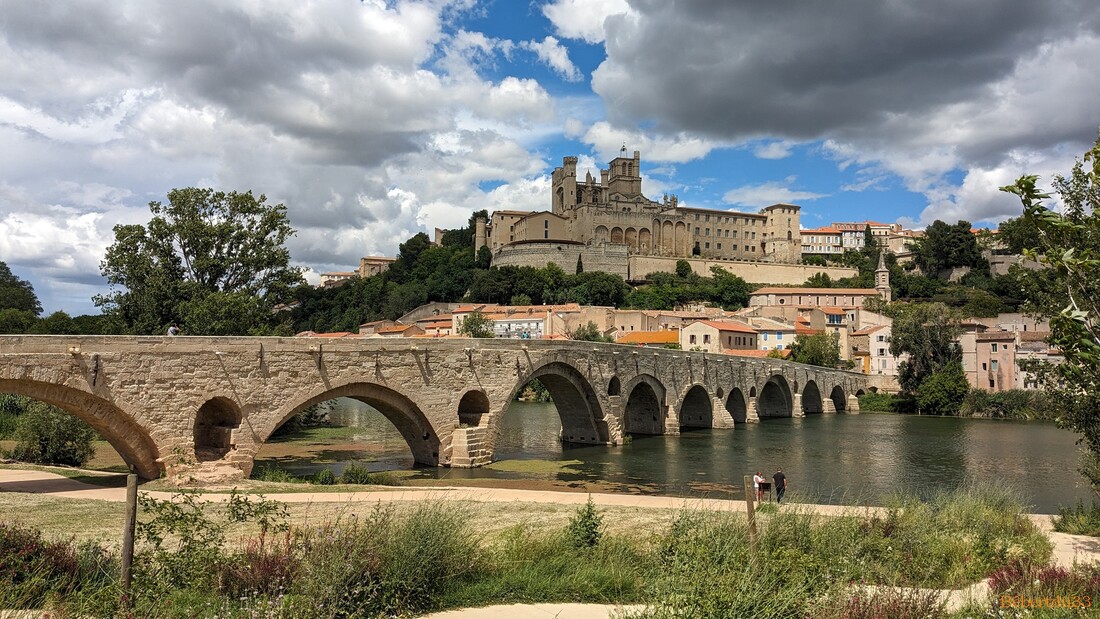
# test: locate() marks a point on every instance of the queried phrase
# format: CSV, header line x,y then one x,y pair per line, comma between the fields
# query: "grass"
x,y
359,559
1078,520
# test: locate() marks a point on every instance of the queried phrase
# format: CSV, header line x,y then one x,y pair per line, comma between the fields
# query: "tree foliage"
x,y
589,333
946,246
476,324
943,392
822,349
1068,243
17,294
927,332
45,434
203,255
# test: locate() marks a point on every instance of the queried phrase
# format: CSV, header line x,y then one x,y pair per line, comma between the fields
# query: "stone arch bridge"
x,y
190,405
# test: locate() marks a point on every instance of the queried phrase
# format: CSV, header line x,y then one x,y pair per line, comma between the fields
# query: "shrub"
x,y
585,526
325,478
943,391
1079,520
33,569
46,434
891,602
883,402
1011,404
275,475
355,473
1037,580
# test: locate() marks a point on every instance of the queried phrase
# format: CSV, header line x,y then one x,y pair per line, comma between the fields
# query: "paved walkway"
x,y
1067,548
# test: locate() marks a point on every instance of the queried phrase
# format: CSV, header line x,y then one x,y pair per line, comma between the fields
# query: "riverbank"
x,y
640,532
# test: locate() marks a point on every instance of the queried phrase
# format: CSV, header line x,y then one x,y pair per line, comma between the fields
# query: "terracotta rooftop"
x,y
394,329
333,334
668,336
729,326
868,330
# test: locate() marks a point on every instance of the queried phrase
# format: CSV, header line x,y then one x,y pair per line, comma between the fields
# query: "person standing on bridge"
x,y
756,481
780,484
173,330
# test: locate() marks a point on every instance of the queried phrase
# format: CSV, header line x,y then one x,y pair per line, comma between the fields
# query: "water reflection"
x,y
827,458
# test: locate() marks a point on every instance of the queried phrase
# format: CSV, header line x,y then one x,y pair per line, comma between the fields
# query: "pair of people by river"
x,y
759,483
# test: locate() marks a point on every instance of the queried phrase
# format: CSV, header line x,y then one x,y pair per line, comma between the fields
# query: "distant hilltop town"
x,y
610,225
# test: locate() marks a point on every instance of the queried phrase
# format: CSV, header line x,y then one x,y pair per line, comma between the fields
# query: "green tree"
x,y
818,261
1068,243
1017,235
943,392
870,243
589,333
683,268
819,280
580,265
476,325
927,332
202,248
945,246
822,349
729,290
17,294
45,434
519,299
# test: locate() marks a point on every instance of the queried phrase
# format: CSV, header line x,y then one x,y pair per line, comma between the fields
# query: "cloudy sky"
x,y
372,120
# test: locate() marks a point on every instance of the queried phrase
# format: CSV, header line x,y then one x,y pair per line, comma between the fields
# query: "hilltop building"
x,y
612,213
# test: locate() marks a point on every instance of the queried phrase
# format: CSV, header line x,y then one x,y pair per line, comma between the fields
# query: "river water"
x,y
843,459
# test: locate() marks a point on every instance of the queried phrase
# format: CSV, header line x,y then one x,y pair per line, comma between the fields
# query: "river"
x,y
841,459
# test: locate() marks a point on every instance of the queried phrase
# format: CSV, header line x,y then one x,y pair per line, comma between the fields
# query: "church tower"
x,y
882,277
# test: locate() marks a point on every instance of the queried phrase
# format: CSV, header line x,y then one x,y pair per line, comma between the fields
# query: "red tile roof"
x,y
836,291
729,326
668,336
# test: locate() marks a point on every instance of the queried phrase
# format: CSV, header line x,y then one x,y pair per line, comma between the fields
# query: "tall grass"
x,y
1078,520
401,562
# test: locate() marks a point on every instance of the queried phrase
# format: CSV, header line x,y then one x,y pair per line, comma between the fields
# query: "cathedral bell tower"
x,y
882,277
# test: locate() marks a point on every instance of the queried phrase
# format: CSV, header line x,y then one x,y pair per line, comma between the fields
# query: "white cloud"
x,y
780,149
679,148
556,56
766,194
584,19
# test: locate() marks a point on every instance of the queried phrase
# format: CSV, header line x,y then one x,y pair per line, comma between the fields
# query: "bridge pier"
x,y
751,415
720,416
672,421
470,448
796,406
827,406
853,405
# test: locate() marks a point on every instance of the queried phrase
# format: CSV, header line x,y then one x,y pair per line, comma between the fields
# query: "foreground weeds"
x,y
395,563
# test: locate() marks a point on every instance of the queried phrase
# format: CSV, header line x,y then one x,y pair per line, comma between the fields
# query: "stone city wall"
x,y
609,258
755,272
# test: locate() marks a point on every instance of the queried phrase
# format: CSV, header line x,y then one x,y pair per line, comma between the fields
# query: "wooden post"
x,y
750,498
128,530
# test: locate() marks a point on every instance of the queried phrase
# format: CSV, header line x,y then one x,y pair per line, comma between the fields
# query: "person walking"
x,y
780,484
756,481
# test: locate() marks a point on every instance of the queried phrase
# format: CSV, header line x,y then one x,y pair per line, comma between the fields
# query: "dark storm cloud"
x,y
804,70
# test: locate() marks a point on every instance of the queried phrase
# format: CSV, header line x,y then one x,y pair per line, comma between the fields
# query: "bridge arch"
x,y
735,404
215,422
578,404
644,409
775,398
402,412
811,398
614,387
116,425
839,398
696,410
473,408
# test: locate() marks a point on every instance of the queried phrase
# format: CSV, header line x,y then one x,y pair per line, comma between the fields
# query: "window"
x,y
692,340
706,218
882,352
754,236
778,335
993,365
706,245
983,366
706,338
708,232
696,230
994,347
697,217
765,337
779,347
719,246
880,338
546,223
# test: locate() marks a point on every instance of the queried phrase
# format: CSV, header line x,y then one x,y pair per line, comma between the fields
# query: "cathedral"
x,y
613,212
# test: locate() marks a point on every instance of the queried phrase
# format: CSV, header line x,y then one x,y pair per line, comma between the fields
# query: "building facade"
x,y
612,210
